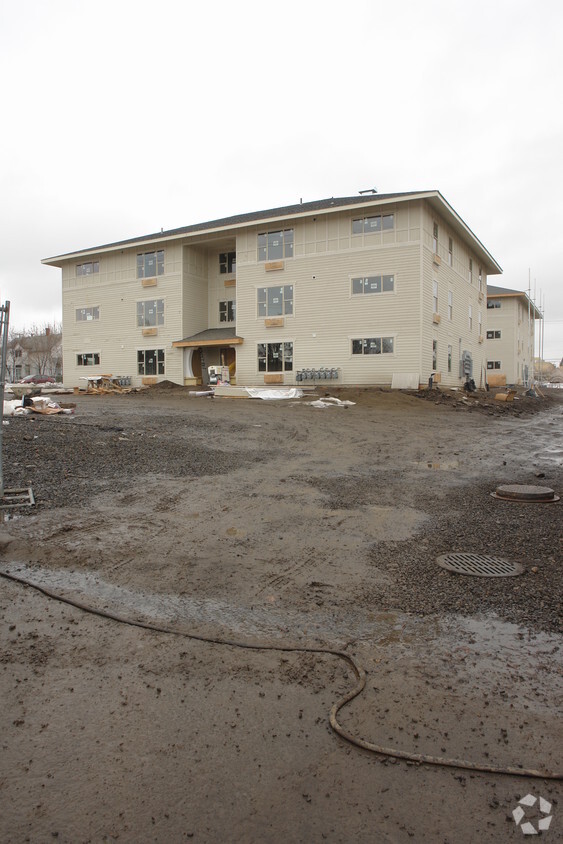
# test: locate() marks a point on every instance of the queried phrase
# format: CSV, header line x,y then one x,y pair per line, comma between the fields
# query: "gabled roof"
x,y
229,225
494,292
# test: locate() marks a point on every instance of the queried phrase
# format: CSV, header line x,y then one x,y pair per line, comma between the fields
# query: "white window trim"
x,y
361,296
144,299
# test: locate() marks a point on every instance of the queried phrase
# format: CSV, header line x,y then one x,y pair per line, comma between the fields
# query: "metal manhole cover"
x,y
524,493
479,565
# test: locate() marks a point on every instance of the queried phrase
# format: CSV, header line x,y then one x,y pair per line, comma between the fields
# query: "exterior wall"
x,y
515,347
453,278
326,316
115,289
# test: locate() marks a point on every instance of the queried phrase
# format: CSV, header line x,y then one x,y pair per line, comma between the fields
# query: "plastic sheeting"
x,y
274,394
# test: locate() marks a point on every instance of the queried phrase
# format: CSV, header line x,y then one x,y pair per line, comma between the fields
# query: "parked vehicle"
x,y
37,379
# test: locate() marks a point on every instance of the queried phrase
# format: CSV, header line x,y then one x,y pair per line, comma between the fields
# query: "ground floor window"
x,y
449,358
373,346
493,364
434,354
88,359
150,362
275,357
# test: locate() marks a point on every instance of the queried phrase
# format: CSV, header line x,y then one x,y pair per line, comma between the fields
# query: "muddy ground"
x,y
282,524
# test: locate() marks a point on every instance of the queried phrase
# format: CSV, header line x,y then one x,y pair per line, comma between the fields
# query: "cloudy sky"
x,y
123,117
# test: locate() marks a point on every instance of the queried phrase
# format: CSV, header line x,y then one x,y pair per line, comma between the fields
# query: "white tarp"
x,y
272,394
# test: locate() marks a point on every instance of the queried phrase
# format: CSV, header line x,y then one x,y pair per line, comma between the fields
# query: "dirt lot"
x,y
278,523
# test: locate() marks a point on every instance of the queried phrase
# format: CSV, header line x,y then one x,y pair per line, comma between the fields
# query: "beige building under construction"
x,y
365,290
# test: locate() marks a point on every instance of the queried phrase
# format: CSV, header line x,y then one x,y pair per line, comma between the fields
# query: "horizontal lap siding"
x,y
116,290
326,316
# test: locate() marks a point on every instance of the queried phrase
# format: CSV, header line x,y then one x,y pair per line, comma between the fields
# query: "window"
x,y
373,284
493,335
88,268
87,314
150,362
470,271
493,364
373,225
449,358
450,304
434,354
227,311
470,321
493,303
150,313
480,318
275,301
227,262
373,346
450,252
275,245
435,295
88,359
150,264
275,357
435,238
480,279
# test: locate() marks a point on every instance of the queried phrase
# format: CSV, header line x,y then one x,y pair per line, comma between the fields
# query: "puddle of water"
x,y
186,613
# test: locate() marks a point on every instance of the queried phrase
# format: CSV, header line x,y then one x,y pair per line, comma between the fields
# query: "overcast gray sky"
x,y
123,117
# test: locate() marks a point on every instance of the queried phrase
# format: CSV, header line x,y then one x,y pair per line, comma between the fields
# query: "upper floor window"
x,y
88,268
88,359
150,313
150,264
470,271
275,357
275,245
275,301
227,311
435,238
480,279
87,314
470,318
450,252
450,304
372,225
493,303
373,346
493,335
493,364
373,284
435,295
227,262
150,362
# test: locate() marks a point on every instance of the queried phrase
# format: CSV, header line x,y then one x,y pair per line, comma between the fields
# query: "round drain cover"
x,y
479,565
524,492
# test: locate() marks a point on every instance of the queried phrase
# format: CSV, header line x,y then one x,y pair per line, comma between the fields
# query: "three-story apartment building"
x,y
368,290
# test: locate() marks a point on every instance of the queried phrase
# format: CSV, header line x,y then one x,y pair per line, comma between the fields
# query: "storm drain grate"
x,y
479,565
